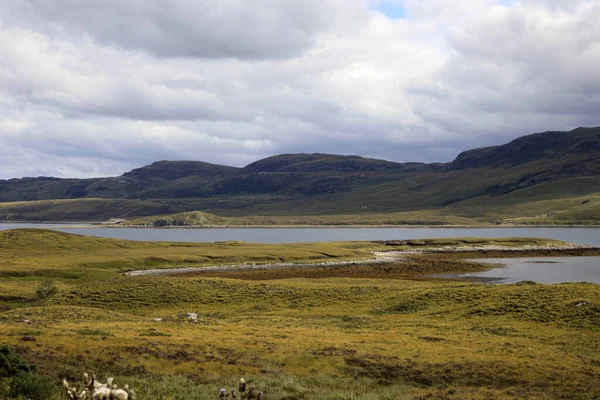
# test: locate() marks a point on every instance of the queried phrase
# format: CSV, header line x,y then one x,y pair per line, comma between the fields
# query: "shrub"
x,y
11,364
46,289
33,386
159,223
405,306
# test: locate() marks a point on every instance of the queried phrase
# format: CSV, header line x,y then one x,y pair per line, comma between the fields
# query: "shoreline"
x,y
359,226
91,225
380,258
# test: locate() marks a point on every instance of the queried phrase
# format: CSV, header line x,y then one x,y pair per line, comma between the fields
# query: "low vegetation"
x,y
524,207
362,332
19,380
513,209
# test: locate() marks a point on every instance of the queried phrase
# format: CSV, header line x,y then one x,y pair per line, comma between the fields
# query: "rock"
x,y
114,221
192,316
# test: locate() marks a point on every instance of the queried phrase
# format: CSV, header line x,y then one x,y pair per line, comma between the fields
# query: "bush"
x,y
11,364
159,223
32,386
46,289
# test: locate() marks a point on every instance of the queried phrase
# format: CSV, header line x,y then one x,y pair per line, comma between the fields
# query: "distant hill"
x,y
538,167
581,143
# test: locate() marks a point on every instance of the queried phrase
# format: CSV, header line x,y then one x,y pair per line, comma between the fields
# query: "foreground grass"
x,y
300,338
326,339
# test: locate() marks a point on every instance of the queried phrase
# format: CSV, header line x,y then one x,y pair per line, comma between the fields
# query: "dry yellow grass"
x,y
331,338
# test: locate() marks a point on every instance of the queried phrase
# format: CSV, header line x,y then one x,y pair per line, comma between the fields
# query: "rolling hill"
x,y
484,183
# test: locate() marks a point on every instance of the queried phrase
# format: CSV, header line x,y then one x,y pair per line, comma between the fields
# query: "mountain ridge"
x,y
321,183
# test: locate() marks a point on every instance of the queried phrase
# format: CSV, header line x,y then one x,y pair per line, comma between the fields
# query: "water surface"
x,y
588,236
7,225
537,269
294,235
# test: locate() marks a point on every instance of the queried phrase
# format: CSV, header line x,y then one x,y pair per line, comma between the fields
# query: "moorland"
x,y
382,331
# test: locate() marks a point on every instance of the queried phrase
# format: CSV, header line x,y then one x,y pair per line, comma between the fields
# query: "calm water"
x,y
538,269
293,235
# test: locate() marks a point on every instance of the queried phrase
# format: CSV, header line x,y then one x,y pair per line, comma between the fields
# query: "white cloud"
x,y
122,84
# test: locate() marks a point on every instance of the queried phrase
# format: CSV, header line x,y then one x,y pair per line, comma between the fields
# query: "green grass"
x,y
93,332
46,253
534,206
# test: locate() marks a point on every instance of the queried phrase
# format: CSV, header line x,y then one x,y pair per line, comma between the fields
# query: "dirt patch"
x,y
332,352
432,339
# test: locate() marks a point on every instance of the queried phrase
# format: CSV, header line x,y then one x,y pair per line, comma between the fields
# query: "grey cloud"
x,y
258,29
55,145
559,5
526,69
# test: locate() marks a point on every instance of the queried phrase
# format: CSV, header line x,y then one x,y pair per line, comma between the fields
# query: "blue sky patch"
x,y
391,9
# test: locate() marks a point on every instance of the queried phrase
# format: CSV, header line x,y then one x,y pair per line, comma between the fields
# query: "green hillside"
x,y
488,184
80,210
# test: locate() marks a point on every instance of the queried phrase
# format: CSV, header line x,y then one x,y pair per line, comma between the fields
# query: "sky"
x,y
92,88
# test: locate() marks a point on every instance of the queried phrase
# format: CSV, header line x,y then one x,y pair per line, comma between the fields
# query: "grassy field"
x,y
379,332
529,206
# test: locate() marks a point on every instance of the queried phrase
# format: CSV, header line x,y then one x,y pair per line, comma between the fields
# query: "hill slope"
x,y
543,166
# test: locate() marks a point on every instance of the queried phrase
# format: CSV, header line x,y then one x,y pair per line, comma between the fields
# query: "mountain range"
x,y
538,167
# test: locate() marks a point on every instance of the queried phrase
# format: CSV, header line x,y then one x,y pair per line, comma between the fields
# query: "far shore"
x,y
94,224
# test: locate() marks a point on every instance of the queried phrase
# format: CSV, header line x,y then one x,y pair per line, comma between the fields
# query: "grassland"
x,y
535,205
381,332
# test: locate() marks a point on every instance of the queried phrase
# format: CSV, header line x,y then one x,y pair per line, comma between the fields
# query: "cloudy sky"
x,y
98,87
